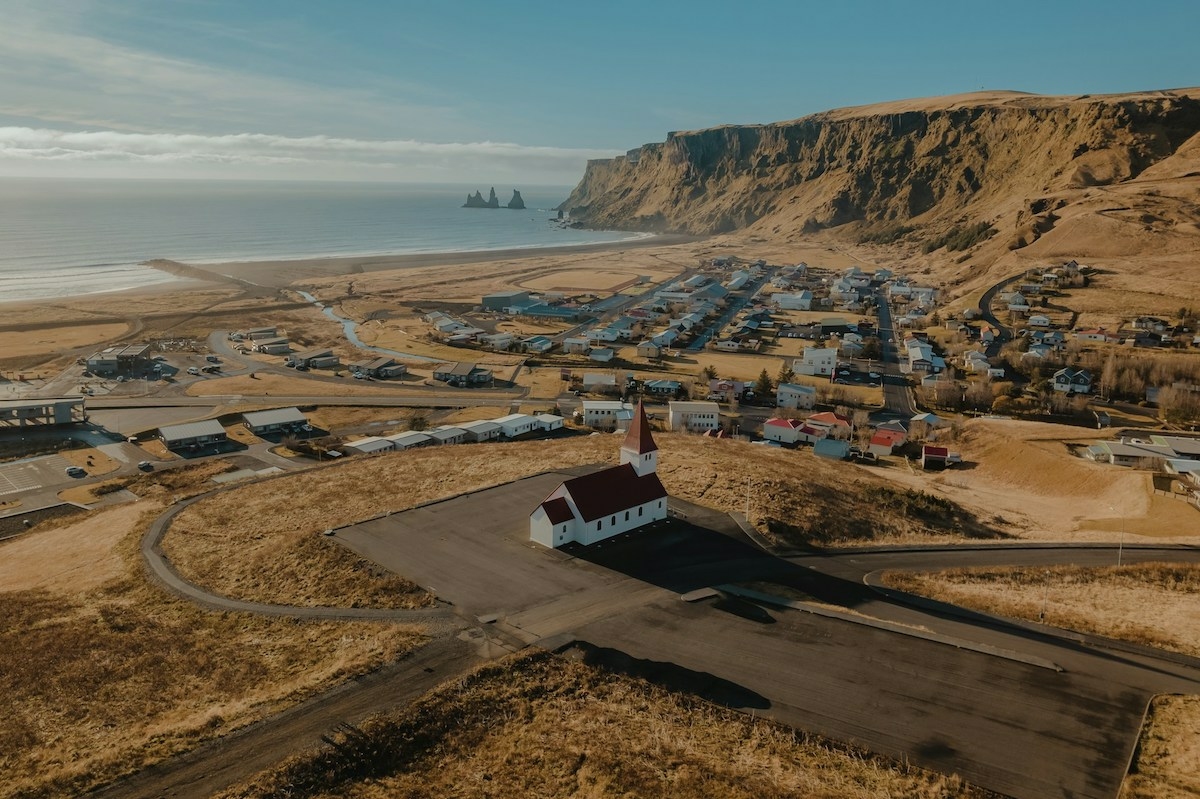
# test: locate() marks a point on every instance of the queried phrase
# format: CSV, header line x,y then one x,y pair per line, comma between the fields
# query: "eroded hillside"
x,y
1026,165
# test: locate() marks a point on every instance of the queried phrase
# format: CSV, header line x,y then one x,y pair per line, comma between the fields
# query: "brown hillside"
x,y
1070,173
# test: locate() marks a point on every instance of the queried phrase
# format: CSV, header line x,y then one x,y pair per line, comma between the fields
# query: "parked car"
x,y
145,466
76,471
192,370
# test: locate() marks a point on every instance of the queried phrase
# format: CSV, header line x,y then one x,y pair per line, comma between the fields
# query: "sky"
x,y
480,91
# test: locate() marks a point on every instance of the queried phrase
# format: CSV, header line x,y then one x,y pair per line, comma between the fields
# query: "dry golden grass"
x,y
49,341
1168,751
274,526
1152,604
241,434
544,726
9,504
87,494
279,385
102,673
340,417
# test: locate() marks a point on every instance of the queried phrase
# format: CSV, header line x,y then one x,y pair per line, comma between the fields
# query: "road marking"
x,y
14,479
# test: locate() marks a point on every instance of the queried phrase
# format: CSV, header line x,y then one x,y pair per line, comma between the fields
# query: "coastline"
x,y
279,274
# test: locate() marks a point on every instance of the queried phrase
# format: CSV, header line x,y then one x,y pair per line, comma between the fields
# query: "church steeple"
x,y
639,448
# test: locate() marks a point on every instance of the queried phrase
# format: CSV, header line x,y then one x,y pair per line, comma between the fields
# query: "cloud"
x,y
301,156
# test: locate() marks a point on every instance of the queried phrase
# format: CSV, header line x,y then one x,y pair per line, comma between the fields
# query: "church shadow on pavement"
x,y
670,676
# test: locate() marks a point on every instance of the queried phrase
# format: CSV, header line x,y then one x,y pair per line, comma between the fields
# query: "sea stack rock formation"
x,y
476,200
516,201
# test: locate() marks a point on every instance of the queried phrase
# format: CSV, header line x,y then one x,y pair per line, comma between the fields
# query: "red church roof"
x,y
612,490
638,438
558,510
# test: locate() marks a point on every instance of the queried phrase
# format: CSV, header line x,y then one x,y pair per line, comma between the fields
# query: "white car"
x,y
193,370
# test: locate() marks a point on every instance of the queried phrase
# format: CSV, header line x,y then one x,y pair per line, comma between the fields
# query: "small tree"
x,y
418,423
763,385
709,372
786,373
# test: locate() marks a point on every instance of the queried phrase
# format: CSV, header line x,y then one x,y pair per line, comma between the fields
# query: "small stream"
x,y
350,328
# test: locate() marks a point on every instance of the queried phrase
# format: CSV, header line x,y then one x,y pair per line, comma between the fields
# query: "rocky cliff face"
x,y
1007,158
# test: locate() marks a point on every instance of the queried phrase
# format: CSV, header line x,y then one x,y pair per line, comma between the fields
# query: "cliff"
x,y
1005,158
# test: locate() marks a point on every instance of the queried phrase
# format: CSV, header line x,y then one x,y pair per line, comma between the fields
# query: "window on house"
x,y
639,510
613,520
598,525
626,515
660,503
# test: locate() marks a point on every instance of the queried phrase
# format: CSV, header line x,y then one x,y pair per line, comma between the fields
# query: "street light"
x,y
1045,596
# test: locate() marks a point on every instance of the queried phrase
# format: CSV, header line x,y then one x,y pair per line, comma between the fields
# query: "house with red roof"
x,y
782,430
609,502
884,441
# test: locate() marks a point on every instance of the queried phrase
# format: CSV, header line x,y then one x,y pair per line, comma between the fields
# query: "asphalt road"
x,y
897,395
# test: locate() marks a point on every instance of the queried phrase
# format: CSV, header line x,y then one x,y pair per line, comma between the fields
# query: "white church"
x,y
600,505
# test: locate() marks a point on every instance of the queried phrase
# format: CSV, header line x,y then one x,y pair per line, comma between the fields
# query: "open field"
x,y
52,340
267,384
74,596
1024,473
545,726
335,418
1152,604
275,525
1168,751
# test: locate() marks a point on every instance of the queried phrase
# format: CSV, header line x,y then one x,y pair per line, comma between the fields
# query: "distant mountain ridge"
x,y
1008,159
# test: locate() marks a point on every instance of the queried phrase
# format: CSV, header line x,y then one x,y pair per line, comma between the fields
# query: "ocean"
x,y
63,238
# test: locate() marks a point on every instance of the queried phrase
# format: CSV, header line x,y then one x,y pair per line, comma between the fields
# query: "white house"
x,y
369,445
482,430
796,301
605,414
576,346
785,431
816,361
695,417
606,503
601,354
795,396
409,439
1072,381
517,424
648,349
447,434
548,422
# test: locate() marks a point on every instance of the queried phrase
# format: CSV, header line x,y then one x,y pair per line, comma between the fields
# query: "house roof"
x,y
929,451
611,490
638,439
558,510
179,432
277,416
888,437
795,388
460,369
829,418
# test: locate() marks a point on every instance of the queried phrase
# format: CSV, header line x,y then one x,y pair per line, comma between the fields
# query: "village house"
x,y
276,421
517,425
1094,334
369,445
795,396
409,439
276,345
1070,380
537,344
447,434
601,354
783,431
482,430
649,350
382,368
319,358
884,442
600,383
576,346
662,388
832,448
833,424
462,374
695,417
816,361
606,503
607,414
193,435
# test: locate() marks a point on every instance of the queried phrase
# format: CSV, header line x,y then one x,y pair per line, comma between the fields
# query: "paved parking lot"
x,y
475,552
31,474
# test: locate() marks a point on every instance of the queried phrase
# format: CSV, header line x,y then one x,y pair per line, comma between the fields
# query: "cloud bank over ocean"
x,y
284,156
